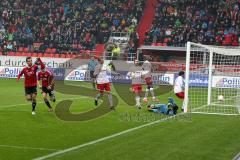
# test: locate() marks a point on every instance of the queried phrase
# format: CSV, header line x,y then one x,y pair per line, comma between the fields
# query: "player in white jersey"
x,y
136,74
103,83
179,87
147,68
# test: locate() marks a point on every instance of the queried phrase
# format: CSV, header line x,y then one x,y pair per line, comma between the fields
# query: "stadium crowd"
x,y
215,22
70,25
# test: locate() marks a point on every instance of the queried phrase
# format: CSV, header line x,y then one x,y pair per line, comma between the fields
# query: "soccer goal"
x,y
212,79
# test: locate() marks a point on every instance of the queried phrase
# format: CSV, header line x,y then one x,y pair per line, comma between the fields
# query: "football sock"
x,y
137,98
110,99
34,103
98,96
152,92
146,93
47,103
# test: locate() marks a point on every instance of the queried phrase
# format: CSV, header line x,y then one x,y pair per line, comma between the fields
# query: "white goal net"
x,y
212,79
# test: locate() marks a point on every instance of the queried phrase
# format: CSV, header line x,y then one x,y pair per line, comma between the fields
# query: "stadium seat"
x,y
24,54
48,50
164,44
154,44
18,54
11,53
53,50
20,49
70,56
40,54
52,55
25,49
159,44
47,55
29,54
235,43
34,54
62,55
55,55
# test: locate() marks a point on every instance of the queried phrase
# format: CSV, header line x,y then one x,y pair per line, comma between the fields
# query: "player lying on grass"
x,y
47,86
147,68
167,109
136,74
179,85
103,83
30,81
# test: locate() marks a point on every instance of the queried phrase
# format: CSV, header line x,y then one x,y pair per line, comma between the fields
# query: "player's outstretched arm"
x,y
41,63
19,76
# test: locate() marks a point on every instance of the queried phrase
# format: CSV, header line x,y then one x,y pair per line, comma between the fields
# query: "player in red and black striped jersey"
x,y
47,86
30,81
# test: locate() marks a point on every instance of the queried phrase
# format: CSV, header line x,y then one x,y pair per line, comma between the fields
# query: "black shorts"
x,y
47,91
91,74
31,90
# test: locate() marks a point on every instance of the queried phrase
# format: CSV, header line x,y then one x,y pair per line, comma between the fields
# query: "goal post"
x,y
212,79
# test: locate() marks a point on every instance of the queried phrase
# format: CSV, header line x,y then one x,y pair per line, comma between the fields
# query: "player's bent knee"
x,y
44,95
29,99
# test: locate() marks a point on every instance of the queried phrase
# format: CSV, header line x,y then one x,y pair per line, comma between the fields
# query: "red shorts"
x,y
180,95
104,86
137,88
149,80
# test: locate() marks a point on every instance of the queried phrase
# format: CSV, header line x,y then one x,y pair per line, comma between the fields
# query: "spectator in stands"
x,y
58,23
203,21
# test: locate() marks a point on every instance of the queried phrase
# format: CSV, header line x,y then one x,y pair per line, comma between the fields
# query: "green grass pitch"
x,y
23,136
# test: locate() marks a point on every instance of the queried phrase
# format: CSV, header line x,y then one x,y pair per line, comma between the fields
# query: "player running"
x,y
91,67
135,72
147,68
47,86
103,83
179,87
30,81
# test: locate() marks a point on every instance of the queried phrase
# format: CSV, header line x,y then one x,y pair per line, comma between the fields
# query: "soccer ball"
x,y
220,98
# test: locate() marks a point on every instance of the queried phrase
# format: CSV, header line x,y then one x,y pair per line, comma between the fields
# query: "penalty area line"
x,y
102,139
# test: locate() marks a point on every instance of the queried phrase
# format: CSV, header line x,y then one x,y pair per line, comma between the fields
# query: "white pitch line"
x,y
24,147
221,114
101,139
22,104
237,157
